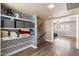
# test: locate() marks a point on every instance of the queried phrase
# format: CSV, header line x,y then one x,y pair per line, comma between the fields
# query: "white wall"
x,y
46,26
40,27
40,30
49,30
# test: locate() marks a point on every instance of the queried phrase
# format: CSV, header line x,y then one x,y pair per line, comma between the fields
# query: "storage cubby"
x,y
7,23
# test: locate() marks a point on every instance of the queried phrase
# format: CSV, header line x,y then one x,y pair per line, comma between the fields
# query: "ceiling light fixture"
x,y
51,6
50,16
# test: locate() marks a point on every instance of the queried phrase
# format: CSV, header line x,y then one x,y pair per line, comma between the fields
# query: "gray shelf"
x,y
11,17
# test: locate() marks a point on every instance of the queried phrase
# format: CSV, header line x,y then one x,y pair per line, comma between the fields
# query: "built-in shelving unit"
x,y
13,45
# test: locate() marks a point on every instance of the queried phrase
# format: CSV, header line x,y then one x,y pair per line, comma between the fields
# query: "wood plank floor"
x,y
62,46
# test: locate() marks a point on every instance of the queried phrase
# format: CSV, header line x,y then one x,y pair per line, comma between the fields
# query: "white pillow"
x,y
25,29
4,34
13,34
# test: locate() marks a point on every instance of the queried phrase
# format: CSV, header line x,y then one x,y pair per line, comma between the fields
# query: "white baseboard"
x,y
77,47
14,52
77,43
69,36
49,40
34,46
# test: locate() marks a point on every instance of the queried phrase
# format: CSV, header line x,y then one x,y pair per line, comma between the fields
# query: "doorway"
x,y
66,28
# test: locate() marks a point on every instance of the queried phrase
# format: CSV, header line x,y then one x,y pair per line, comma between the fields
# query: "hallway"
x,y
63,46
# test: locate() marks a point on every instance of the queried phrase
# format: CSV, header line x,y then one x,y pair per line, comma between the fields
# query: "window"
x,y
62,27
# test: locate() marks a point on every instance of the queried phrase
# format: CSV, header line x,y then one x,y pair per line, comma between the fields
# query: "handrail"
x,y
42,35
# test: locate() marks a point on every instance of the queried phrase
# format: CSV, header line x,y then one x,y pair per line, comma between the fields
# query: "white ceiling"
x,y
39,9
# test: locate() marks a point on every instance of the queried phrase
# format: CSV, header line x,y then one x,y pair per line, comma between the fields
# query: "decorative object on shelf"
x,y
9,12
24,32
4,34
16,15
31,31
13,34
24,35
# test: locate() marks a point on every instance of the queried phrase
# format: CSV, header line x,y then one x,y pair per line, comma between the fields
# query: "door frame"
x,y
77,31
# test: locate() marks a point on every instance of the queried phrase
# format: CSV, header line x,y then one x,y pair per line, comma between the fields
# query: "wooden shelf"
x,y
11,17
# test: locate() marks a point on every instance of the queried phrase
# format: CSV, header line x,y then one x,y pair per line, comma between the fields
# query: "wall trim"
x,y
68,36
77,46
49,40
68,15
35,47
77,30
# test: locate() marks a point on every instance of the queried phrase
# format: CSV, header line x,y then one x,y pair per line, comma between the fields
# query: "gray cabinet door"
x,y
19,24
28,25
7,23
